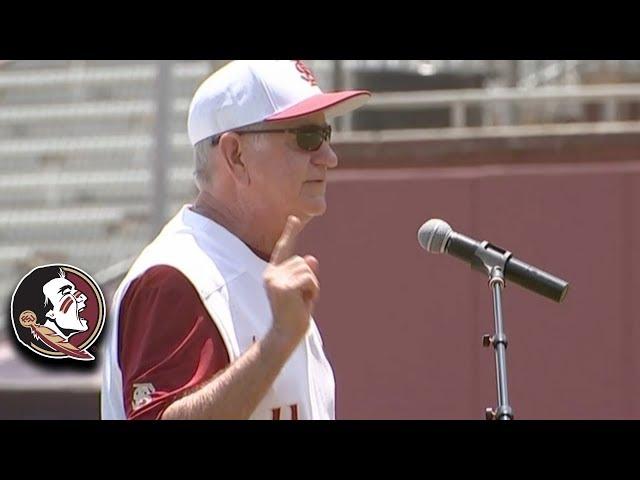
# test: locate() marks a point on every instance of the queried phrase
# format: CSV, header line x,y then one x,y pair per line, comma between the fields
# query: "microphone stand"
x,y
492,261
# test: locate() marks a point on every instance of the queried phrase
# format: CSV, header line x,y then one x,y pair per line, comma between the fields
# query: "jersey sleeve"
x,y
168,343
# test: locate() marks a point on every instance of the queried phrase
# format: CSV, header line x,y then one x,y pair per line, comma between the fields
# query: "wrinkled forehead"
x,y
55,287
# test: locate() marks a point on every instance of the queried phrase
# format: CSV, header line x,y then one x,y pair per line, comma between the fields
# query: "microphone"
x,y
436,236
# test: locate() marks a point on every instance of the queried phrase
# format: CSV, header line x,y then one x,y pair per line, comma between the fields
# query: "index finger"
x,y
287,242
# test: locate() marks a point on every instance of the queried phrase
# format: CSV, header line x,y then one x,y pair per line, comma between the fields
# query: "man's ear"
x,y
51,315
230,149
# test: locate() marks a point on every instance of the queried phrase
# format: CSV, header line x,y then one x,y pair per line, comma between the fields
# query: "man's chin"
x,y
315,208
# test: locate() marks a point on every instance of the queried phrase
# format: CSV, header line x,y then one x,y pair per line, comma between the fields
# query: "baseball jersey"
x,y
224,276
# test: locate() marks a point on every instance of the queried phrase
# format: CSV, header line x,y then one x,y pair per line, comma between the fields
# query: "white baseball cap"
x,y
245,92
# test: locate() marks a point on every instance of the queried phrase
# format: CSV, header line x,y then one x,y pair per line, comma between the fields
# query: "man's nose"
x,y
325,156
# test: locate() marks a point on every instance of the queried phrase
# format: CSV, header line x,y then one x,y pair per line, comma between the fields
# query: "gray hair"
x,y
202,150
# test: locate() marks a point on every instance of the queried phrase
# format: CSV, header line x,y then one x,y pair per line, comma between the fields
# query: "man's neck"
x,y
259,232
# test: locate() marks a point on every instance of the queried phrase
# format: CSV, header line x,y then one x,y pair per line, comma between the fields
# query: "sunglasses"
x,y
308,138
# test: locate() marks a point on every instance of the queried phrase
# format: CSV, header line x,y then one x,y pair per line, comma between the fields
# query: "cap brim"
x,y
332,104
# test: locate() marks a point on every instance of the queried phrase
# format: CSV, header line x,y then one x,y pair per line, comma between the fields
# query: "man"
x,y
213,320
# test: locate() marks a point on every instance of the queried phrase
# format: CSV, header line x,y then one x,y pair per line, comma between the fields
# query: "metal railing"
x,y
456,101
610,96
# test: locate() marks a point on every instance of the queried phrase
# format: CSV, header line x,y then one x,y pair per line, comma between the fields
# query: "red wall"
x,y
403,328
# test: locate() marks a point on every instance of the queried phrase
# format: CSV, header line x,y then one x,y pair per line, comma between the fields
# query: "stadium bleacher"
x,y
75,146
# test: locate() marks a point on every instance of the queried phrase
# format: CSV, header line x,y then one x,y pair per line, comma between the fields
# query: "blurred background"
x,y
540,157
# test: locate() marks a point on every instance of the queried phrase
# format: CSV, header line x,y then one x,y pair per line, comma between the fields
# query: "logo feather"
x,y
52,339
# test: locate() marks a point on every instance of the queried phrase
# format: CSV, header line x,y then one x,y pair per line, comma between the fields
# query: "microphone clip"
x,y
488,258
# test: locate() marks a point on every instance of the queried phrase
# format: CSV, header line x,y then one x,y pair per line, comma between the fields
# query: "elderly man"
x,y
213,320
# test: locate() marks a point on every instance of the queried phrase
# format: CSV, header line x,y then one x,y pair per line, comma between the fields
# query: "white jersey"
x,y
228,278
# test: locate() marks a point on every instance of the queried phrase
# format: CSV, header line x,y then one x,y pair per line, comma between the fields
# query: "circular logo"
x,y
58,311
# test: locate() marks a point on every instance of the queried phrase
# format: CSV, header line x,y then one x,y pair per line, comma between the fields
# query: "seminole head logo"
x,y
58,311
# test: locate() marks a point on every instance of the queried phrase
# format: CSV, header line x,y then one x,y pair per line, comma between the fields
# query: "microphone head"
x,y
433,235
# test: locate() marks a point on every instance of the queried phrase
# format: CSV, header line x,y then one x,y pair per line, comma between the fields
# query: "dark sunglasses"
x,y
308,138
